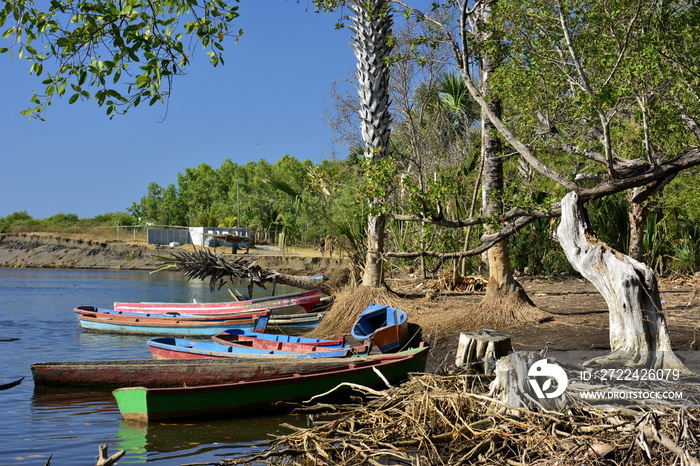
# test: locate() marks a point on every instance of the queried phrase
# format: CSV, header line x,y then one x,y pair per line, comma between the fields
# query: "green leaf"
x,y
73,98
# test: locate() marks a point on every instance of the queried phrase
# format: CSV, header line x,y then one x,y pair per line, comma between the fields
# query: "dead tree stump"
x,y
480,350
524,380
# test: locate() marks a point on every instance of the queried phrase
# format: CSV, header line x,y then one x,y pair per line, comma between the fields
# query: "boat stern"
x,y
132,403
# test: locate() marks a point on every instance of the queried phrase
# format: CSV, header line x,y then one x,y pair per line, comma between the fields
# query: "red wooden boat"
x,y
164,325
171,372
300,302
91,311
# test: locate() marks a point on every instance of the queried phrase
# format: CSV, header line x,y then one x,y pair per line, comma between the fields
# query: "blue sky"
x,y
268,100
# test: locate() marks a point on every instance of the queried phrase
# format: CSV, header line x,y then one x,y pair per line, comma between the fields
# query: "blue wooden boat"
x,y
169,325
177,348
278,342
385,327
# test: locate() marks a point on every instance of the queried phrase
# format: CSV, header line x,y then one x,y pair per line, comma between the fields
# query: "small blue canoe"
x,y
385,327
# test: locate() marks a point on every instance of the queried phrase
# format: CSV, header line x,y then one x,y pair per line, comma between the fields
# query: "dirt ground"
x,y
579,317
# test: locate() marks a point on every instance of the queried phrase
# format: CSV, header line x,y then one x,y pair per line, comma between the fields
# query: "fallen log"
x,y
203,264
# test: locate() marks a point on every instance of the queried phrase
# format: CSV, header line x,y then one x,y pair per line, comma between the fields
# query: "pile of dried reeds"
x,y
449,280
439,420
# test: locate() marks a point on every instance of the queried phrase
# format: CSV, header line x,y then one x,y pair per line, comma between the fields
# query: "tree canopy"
x,y
598,97
116,53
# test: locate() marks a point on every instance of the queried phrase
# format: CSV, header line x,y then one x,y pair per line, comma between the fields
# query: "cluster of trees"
x,y
23,222
490,113
308,201
268,198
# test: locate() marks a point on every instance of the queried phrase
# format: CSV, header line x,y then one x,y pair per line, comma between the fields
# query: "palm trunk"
x,y
372,28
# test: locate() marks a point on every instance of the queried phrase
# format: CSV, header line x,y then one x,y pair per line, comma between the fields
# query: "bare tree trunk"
x,y
638,217
373,276
638,333
505,298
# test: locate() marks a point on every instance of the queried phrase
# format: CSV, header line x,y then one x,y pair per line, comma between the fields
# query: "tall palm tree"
x,y
371,27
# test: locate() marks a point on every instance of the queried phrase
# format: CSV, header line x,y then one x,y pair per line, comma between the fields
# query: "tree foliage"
x,y
116,53
304,201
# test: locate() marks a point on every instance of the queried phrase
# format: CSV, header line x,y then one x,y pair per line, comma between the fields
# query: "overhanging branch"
x,y
519,217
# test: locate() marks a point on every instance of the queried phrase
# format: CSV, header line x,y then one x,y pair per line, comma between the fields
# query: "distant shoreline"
x,y
33,250
42,250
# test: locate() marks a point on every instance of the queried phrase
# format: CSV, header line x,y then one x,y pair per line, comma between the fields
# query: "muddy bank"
x,y
32,250
49,251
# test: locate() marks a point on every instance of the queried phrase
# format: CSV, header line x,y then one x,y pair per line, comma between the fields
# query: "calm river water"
x,y
36,309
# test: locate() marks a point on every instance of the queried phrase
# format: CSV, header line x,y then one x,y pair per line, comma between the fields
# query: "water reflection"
x,y
79,402
70,424
216,438
156,441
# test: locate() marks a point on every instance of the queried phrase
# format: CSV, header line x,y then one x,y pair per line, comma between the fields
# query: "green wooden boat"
x,y
141,404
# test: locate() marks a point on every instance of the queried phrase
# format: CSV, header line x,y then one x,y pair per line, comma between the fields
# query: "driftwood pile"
x,y
456,282
439,420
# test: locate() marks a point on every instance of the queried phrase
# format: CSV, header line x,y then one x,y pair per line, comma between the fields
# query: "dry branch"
x,y
438,420
202,265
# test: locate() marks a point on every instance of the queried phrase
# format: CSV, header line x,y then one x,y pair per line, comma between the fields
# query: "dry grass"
x,y
101,234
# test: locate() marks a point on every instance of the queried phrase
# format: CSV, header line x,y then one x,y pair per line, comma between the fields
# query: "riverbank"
x,y
42,250
46,250
579,317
